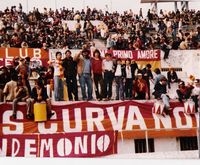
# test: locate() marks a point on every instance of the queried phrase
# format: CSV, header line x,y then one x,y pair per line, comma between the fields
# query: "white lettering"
x,y
81,144
53,126
103,143
78,121
3,149
6,120
37,53
21,54
93,144
46,144
134,111
148,54
7,55
91,121
29,149
64,147
117,122
15,143
166,121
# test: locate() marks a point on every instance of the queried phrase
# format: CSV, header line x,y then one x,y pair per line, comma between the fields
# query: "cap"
x,y
197,81
181,83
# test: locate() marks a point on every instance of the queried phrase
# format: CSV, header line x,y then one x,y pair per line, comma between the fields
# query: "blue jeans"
x,y
165,100
85,80
58,89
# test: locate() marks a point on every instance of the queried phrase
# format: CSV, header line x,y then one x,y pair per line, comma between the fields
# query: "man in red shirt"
x,y
183,91
140,88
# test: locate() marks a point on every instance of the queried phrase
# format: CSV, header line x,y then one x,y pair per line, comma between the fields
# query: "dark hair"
x,y
68,51
57,53
157,71
163,79
14,76
148,65
108,54
128,59
97,51
28,59
119,59
86,50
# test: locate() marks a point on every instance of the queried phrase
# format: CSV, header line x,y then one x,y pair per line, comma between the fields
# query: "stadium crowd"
x,y
127,31
132,32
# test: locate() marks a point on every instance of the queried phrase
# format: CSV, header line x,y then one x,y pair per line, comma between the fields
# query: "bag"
x,y
189,107
158,107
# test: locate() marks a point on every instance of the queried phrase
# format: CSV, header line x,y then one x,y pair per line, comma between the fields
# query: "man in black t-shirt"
x,y
70,72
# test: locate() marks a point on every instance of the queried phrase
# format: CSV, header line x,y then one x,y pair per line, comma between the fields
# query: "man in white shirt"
x,y
108,69
119,79
58,77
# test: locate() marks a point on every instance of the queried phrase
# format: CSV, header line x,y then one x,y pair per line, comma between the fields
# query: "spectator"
x,y
97,74
140,88
84,73
38,95
78,27
110,42
129,77
119,79
172,77
23,73
108,70
147,76
4,78
58,77
158,76
196,93
89,30
183,92
8,90
70,71
21,94
161,93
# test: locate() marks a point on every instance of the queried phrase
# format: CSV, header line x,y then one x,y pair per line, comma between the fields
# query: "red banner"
x,y
132,118
137,55
87,144
38,56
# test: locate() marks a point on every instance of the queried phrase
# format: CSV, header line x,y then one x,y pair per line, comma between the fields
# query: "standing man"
x,y
97,74
70,72
147,76
119,79
84,72
58,77
108,70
